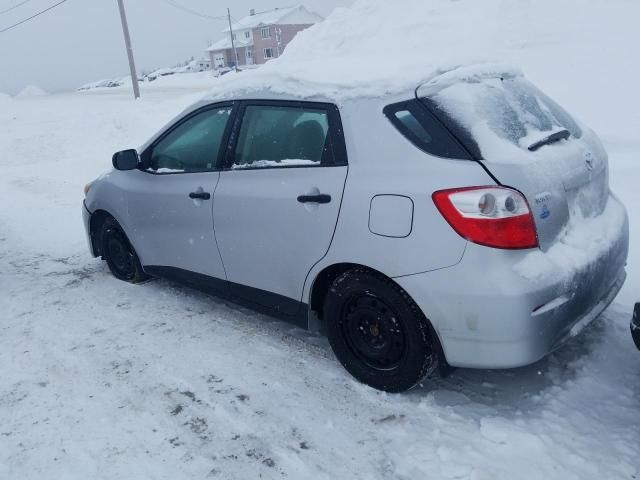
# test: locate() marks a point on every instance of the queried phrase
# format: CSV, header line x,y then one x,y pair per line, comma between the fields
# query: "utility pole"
x,y
278,33
127,42
233,43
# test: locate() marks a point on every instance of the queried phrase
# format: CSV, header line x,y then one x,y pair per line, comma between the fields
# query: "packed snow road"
x,y
102,379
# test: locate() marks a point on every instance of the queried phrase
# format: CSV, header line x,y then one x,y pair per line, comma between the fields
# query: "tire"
x,y
119,254
378,332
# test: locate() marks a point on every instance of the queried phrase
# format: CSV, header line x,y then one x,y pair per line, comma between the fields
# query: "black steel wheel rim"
x,y
119,254
373,332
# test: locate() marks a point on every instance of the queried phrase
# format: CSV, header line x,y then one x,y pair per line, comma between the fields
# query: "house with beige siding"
x,y
261,36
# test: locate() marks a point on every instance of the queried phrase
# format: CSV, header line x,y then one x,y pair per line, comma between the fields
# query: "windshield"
x,y
510,109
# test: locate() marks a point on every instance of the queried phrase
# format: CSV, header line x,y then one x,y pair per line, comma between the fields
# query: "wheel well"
x,y
97,219
324,280
319,291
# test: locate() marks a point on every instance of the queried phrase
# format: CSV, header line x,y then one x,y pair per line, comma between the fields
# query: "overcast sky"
x,y
81,40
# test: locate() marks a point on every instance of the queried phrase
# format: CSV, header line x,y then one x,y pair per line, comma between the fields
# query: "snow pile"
x,y
195,81
379,47
373,48
105,83
31,91
4,98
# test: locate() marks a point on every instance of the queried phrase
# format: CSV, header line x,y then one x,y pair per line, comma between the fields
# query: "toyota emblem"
x,y
588,160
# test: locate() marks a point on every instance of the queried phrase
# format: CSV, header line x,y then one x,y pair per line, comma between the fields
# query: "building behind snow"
x,y
261,36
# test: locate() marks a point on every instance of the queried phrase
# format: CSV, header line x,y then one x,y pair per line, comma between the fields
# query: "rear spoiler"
x,y
469,73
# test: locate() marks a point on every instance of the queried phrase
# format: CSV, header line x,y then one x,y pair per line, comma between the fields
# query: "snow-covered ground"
x,y
101,379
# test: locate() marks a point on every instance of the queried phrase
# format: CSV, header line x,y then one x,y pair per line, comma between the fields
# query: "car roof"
x,y
276,96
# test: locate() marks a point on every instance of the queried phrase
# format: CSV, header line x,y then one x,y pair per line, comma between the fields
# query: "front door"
x,y
171,197
277,201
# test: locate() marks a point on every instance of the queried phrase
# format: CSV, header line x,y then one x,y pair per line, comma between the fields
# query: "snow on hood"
x,y
378,48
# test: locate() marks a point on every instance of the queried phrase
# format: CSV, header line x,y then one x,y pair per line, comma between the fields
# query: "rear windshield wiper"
x,y
554,137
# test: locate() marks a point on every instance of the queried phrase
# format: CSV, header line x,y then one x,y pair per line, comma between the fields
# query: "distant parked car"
x,y
109,83
223,71
424,229
161,72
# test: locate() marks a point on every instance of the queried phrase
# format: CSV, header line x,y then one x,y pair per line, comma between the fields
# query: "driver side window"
x,y
193,145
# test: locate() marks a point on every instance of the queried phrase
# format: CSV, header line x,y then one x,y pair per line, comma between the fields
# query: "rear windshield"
x,y
508,109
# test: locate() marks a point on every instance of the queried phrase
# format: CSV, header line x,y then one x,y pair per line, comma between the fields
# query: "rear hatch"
x,y
527,142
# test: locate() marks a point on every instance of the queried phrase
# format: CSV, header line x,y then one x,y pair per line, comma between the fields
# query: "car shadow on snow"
x,y
504,390
513,389
516,389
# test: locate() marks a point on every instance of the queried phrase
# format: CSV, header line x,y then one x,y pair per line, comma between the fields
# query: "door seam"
x,y
213,223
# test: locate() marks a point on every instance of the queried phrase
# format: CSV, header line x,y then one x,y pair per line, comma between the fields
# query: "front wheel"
x,y
378,332
119,254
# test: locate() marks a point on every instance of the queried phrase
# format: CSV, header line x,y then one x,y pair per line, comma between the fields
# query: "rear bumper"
x,y
86,220
489,315
635,325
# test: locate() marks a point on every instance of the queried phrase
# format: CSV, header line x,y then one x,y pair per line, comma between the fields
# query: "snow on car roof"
x,y
467,73
377,48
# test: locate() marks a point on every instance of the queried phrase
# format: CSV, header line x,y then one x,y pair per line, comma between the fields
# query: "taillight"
x,y
496,217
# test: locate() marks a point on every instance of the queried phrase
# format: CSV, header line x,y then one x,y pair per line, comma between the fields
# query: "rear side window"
x,y
424,130
282,136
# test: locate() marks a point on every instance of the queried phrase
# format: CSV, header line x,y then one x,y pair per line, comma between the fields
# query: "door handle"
x,y
319,198
200,195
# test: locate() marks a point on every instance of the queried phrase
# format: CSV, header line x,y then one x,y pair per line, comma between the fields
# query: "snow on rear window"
x,y
503,113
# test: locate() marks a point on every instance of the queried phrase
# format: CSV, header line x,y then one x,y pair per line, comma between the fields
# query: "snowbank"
x,y
196,81
31,91
374,48
379,47
4,98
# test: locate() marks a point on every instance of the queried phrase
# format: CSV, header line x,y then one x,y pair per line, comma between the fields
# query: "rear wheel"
x,y
378,332
119,254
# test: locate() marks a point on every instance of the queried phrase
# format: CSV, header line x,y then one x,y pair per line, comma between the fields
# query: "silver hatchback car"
x,y
397,225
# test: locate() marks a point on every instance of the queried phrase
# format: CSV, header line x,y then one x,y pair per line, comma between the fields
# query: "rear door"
x,y
278,198
171,197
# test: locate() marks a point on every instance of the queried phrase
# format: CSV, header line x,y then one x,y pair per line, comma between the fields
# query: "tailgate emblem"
x,y
545,212
588,160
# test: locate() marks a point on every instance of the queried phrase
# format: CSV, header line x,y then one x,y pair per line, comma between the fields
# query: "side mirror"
x,y
125,160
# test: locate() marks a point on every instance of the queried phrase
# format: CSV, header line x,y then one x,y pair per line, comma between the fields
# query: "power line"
x,y
273,9
33,16
193,12
14,7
